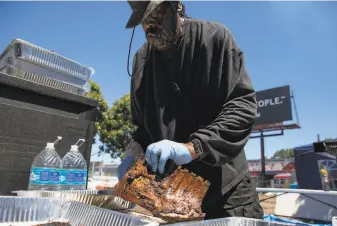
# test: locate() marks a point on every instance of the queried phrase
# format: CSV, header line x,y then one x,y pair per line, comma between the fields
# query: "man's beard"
x,y
161,40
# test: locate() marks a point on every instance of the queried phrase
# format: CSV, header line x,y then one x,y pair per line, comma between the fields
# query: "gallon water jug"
x,y
74,172
46,169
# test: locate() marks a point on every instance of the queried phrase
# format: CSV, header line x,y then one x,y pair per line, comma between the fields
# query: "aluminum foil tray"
x,y
46,81
49,59
145,217
89,197
89,192
84,192
32,63
27,210
233,221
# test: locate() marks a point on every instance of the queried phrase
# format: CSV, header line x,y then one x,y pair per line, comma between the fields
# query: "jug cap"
x,y
50,145
76,146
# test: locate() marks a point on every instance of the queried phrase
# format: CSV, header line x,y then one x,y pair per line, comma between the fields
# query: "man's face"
x,y
161,27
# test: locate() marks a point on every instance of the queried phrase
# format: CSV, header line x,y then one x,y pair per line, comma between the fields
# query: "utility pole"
x,y
318,138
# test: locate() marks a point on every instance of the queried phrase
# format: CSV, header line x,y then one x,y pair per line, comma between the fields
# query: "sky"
x,y
284,43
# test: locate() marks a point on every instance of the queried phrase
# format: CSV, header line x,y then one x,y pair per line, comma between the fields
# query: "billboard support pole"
x,y
263,164
263,159
295,108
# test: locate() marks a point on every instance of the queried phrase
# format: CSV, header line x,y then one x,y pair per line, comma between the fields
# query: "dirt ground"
x,y
268,205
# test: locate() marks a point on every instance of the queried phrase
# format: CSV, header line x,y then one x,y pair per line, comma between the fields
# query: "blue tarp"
x,y
273,218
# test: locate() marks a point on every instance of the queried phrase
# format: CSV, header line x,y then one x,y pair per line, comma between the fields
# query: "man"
x,y
325,178
194,104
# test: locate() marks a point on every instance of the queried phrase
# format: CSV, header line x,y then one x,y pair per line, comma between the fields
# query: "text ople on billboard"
x,y
274,105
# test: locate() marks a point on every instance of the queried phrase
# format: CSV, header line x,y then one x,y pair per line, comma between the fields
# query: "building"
x,y
103,175
273,167
103,168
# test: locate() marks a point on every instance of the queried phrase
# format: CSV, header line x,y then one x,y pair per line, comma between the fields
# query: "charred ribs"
x,y
177,197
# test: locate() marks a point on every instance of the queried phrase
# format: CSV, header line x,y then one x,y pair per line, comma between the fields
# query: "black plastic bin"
x,y
32,115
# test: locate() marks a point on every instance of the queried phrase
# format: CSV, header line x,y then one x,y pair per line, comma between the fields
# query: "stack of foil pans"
x,y
30,211
41,66
91,197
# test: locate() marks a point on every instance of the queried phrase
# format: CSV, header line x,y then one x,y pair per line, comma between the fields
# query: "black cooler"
x,y
32,115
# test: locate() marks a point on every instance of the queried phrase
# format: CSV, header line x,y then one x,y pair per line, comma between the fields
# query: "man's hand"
x,y
158,153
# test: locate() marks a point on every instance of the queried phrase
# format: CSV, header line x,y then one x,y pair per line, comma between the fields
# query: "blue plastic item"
x,y
294,186
273,218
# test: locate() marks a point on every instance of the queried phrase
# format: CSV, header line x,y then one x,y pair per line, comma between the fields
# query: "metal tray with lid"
x,y
34,210
32,63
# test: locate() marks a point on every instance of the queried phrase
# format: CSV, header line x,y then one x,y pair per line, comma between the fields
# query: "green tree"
x,y
283,154
96,94
116,127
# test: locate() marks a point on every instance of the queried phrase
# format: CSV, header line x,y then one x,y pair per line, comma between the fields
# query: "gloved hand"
x,y
158,153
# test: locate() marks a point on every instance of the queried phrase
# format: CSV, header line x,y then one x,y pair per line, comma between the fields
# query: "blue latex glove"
x,y
158,153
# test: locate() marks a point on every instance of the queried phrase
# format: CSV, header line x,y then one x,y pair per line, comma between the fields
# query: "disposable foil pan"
x,y
89,197
48,59
145,217
46,81
89,192
233,221
84,192
27,210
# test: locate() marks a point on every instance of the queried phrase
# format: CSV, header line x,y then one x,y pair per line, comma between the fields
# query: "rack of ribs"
x,y
176,197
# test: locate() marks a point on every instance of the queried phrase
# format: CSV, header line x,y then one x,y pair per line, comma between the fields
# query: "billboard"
x,y
274,106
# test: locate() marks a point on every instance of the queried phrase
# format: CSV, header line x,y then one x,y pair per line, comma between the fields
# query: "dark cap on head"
x,y
140,10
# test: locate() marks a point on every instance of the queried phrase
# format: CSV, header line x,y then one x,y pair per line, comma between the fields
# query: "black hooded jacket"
x,y
216,105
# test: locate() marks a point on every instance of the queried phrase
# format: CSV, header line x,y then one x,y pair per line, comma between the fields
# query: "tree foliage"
x,y
116,127
96,94
283,154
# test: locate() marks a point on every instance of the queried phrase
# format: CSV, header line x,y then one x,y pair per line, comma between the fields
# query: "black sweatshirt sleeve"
x,y
140,138
140,135
227,135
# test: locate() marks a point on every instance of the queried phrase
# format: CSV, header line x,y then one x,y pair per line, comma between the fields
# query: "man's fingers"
x,y
162,161
154,161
